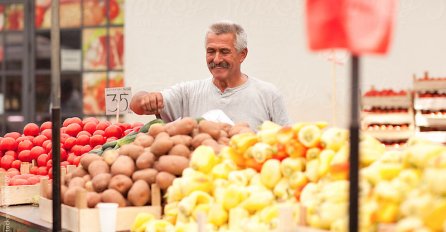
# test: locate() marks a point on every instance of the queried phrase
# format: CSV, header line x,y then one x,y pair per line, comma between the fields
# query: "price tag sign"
x,y
117,100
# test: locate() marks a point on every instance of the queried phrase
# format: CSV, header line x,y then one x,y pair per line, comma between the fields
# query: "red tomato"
x,y
69,143
21,138
36,152
113,131
8,143
137,128
83,140
124,126
48,147
43,171
24,145
33,180
33,170
90,119
77,149
103,125
73,129
63,154
85,149
31,129
99,132
97,140
73,120
49,163
12,153
6,161
62,130
76,160
45,125
45,143
63,137
47,133
13,135
25,156
84,133
71,157
90,127
17,182
38,140
42,160
16,164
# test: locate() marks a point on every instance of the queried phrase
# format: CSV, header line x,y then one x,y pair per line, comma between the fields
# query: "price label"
x,y
117,100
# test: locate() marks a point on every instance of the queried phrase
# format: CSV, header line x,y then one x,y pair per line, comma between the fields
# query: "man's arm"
x,y
147,103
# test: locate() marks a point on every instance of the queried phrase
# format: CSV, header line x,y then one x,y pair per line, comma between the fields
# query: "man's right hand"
x,y
147,103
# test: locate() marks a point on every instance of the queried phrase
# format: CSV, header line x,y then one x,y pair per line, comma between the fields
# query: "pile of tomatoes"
x,y
77,137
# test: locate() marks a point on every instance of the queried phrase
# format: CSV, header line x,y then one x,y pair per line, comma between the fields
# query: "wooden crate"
x,y
81,218
18,195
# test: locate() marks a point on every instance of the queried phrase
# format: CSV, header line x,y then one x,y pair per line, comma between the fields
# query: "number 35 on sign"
x,y
117,100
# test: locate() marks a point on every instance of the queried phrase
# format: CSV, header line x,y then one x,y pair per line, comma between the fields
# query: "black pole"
x,y
55,113
354,146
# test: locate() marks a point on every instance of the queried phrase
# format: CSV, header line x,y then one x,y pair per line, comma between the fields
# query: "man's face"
x,y
221,56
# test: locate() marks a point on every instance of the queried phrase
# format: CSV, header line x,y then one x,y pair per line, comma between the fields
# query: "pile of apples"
x,y
77,137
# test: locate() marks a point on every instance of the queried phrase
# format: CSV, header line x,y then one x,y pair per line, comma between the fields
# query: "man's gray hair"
x,y
223,27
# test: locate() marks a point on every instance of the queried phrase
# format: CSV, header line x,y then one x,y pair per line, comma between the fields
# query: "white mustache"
x,y
219,65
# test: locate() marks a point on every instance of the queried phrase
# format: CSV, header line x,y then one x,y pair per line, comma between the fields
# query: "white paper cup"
x,y
107,216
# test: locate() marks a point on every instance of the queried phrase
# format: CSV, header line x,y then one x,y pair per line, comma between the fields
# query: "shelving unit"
x,y
388,115
430,107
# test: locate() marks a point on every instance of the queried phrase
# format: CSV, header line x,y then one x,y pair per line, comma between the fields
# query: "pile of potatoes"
x,y
124,176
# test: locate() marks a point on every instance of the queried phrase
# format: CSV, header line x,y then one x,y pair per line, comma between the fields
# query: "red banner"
x,y
360,26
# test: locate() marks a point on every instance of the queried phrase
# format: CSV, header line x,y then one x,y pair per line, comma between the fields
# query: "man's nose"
x,y
217,58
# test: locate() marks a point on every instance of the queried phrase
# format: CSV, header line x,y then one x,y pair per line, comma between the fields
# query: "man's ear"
x,y
243,54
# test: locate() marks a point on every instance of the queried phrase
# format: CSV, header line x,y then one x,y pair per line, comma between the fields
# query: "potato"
x,y
225,127
93,198
123,165
139,193
212,143
195,132
164,180
172,164
76,181
181,139
87,178
89,186
87,158
246,130
162,135
63,190
121,183
79,172
223,134
209,127
110,156
180,150
131,150
223,141
155,129
145,160
97,167
148,175
198,139
183,126
143,140
101,181
237,128
70,195
161,146
113,196
68,177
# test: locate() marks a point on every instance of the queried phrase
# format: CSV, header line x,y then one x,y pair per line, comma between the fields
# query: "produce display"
x,y
125,169
77,137
388,115
306,168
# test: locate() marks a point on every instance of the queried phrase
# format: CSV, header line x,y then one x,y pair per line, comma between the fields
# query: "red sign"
x,y
360,26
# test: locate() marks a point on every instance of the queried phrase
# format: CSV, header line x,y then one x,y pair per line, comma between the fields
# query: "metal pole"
x,y
55,112
354,145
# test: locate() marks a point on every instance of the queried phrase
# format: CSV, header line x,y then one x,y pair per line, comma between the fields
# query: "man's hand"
x,y
147,103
